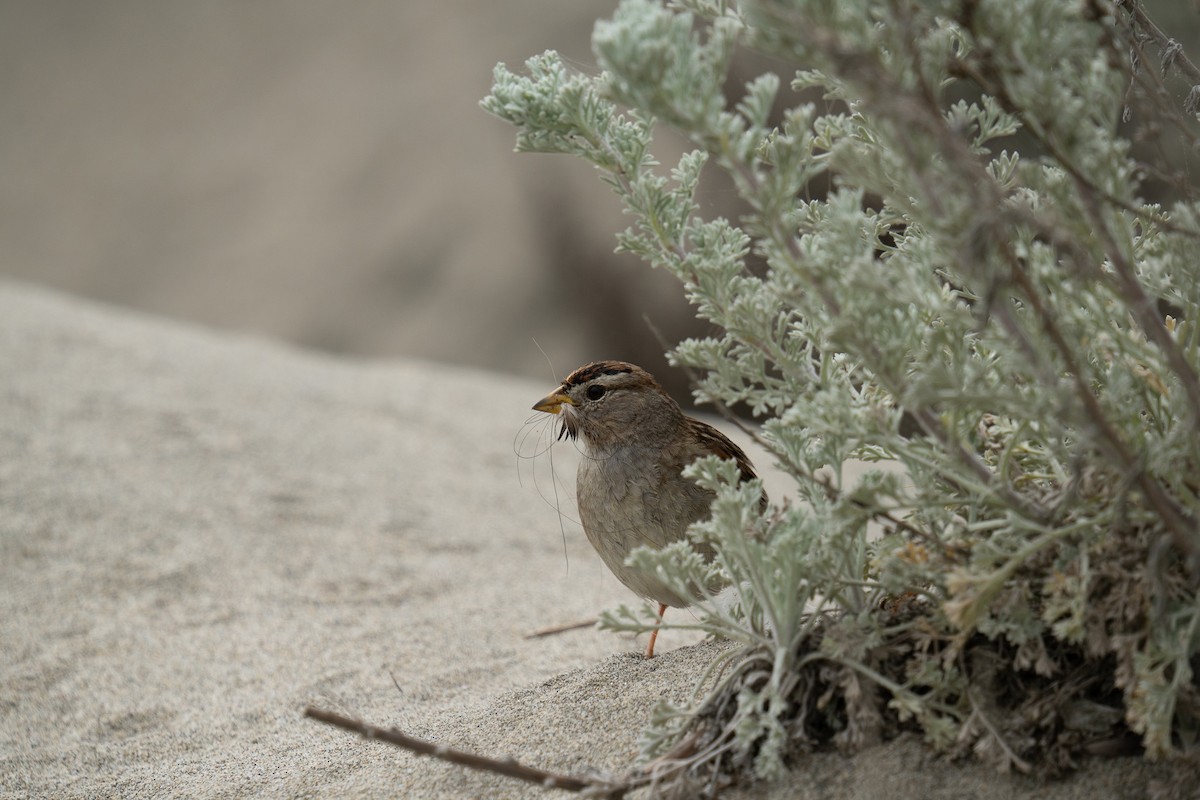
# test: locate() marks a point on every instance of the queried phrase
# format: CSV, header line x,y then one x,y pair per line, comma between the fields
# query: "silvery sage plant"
x,y
946,267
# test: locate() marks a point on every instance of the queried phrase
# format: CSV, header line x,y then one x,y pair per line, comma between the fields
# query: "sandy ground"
x,y
200,534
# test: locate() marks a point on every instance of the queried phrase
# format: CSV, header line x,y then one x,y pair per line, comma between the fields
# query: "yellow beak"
x,y
552,403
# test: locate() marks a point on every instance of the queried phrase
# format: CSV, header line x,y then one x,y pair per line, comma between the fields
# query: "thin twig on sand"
x,y
554,629
593,787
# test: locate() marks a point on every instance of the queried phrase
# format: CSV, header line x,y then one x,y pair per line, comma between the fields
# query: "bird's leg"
x,y
662,609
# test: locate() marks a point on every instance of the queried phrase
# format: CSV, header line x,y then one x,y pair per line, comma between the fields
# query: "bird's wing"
x,y
719,445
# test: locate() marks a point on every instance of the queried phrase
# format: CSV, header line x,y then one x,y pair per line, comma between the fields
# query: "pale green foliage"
x,y
1004,302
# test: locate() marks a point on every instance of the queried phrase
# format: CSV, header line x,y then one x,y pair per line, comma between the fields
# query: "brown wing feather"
x,y
720,445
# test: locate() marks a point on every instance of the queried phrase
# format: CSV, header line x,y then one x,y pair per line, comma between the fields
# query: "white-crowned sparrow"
x,y
630,489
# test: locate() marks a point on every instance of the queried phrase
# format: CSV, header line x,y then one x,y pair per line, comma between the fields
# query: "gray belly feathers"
x,y
622,509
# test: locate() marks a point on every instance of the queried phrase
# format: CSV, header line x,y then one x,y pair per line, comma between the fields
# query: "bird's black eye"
x,y
595,391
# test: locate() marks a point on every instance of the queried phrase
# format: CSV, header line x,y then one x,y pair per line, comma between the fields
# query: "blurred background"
x,y
321,173
316,172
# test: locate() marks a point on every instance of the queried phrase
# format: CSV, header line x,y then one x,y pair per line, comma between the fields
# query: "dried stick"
x,y
1177,57
594,786
555,629
1021,764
